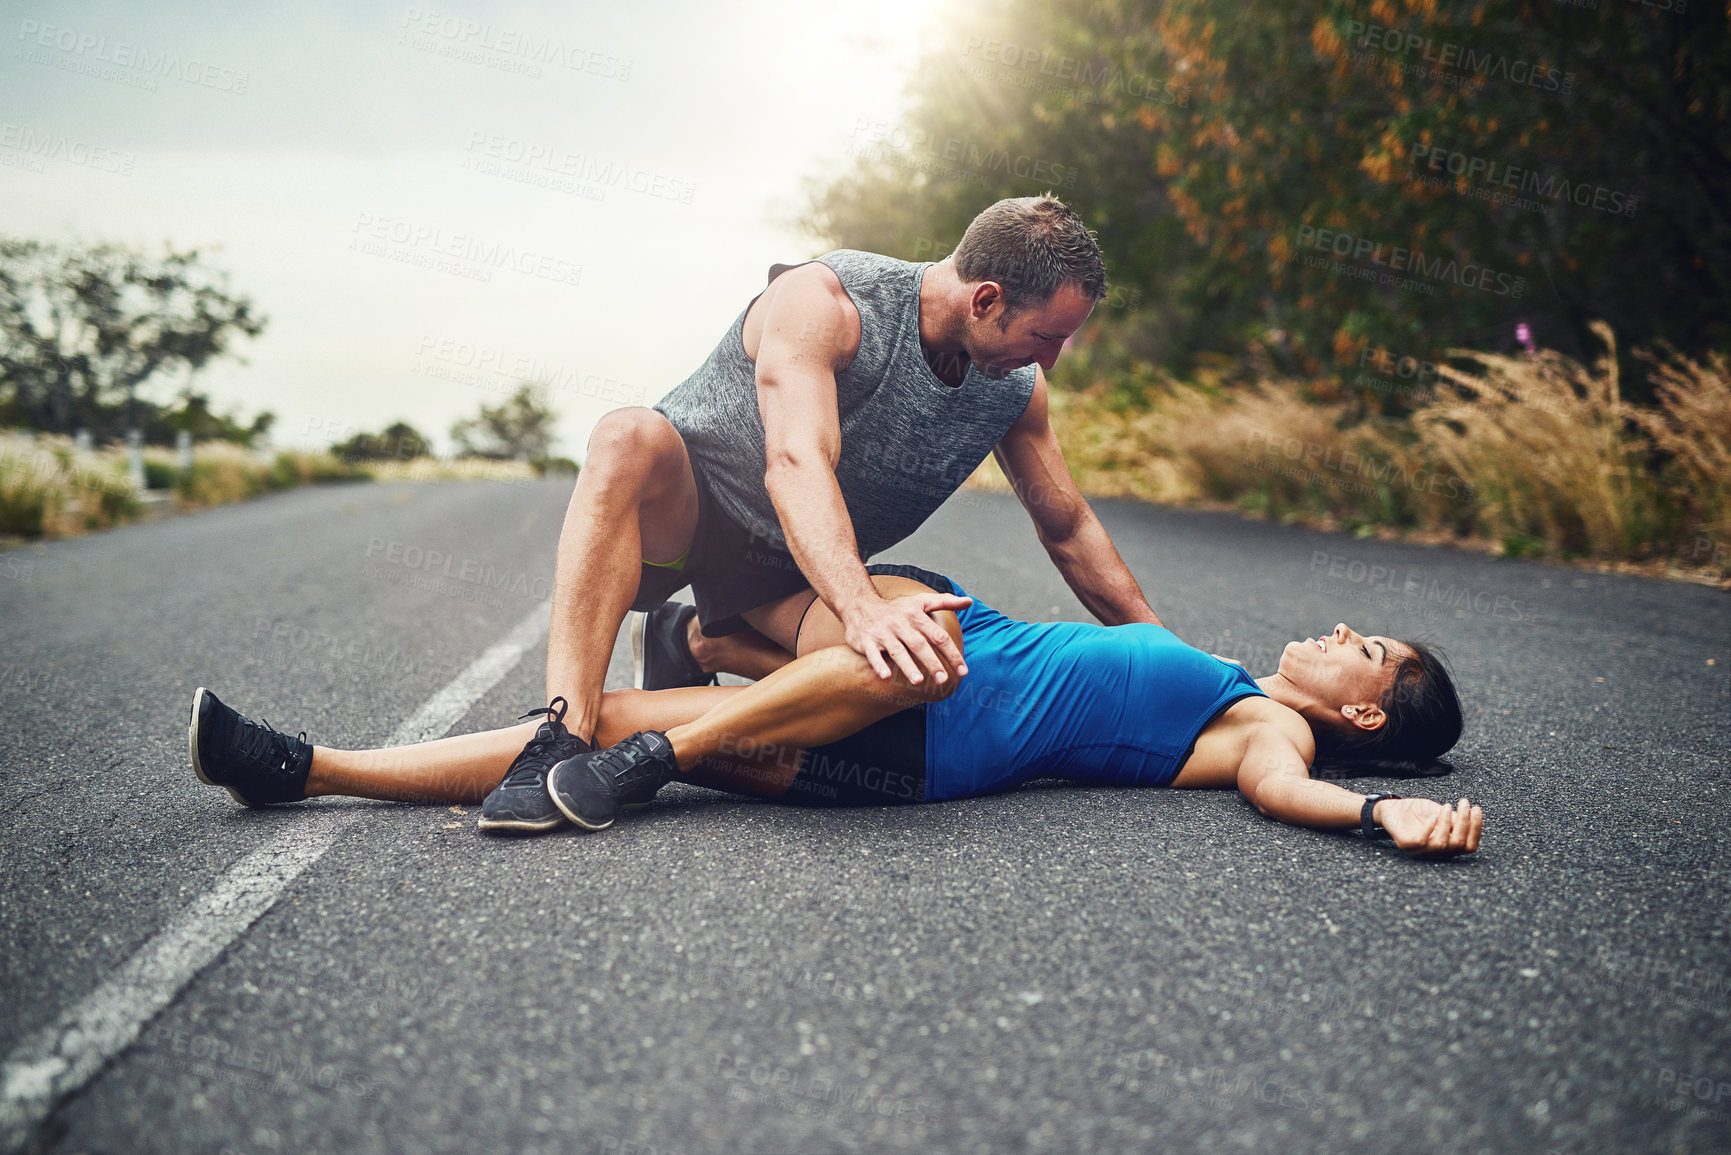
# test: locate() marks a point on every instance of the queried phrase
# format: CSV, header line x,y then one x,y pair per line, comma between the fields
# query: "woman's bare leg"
x,y
752,740
741,737
464,768
747,653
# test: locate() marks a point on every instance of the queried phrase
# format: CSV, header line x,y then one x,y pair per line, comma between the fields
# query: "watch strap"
x,y
1367,823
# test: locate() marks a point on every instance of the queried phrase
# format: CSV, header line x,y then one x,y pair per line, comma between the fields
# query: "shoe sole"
x,y
192,749
639,626
520,825
557,801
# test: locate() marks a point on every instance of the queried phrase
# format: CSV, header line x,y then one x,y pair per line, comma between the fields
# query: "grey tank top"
x,y
908,441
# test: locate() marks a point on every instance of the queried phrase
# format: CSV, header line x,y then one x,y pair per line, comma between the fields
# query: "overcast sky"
x,y
420,195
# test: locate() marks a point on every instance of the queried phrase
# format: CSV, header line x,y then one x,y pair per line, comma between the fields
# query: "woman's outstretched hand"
x,y
1429,829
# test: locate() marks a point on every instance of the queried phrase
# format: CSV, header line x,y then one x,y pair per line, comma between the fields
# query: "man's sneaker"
x,y
640,795
519,801
590,789
257,765
661,651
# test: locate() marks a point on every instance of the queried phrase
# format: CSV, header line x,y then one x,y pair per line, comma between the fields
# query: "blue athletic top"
x,y
1120,705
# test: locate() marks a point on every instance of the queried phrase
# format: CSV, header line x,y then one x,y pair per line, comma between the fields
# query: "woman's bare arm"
x,y
1276,779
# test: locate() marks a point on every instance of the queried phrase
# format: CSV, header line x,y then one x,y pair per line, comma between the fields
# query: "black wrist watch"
x,y
1366,822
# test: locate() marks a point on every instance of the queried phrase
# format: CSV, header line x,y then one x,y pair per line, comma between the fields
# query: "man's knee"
x,y
633,439
622,713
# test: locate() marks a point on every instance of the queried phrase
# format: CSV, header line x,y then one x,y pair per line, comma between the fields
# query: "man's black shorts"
x,y
730,570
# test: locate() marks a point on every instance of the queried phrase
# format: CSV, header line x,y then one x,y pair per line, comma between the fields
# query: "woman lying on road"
x,y
1126,705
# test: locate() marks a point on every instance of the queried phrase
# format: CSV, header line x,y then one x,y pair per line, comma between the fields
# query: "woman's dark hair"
x,y
1423,720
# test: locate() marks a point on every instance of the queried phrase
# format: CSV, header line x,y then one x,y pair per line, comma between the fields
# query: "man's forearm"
x,y
1098,576
819,533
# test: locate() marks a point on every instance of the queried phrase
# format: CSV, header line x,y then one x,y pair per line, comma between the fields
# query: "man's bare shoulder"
x,y
811,298
812,283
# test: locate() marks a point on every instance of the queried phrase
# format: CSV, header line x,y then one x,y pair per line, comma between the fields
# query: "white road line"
x,y
61,1057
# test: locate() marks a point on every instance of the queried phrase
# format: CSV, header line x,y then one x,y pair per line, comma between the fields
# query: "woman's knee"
x,y
821,630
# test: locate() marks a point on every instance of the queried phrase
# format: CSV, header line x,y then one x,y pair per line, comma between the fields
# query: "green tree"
x,y
83,328
1214,146
520,429
195,416
398,441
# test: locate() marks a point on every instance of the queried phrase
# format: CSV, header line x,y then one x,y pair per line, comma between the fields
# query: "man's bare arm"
x,y
807,334
1074,538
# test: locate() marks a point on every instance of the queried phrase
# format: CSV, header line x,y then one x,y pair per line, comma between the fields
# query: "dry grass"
x,y
47,489
451,469
1268,450
1692,425
1537,454
1552,452
223,473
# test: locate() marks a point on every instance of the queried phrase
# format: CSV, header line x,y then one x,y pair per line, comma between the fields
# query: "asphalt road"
x,y
1056,969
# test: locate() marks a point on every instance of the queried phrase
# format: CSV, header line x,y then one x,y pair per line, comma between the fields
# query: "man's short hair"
x,y
1030,246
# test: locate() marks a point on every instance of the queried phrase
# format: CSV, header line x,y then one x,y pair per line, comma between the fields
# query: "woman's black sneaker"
x,y
591,789
661,649
256,764
519,801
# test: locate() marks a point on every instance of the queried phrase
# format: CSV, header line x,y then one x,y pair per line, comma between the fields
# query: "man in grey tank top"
x,y
844,404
